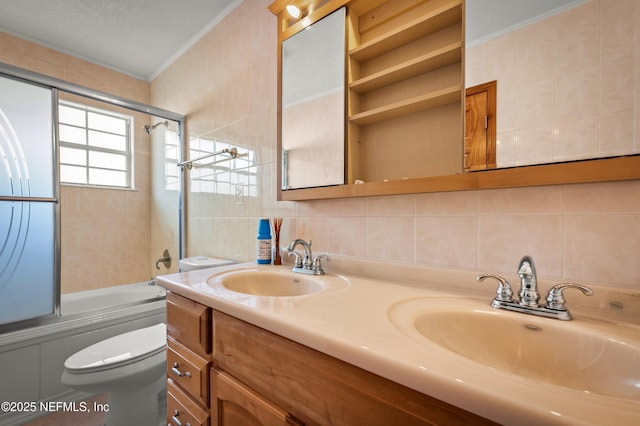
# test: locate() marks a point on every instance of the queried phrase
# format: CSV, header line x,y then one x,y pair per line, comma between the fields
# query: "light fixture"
x,y
293,11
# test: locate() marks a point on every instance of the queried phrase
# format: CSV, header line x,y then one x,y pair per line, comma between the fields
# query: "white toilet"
x,y
130,367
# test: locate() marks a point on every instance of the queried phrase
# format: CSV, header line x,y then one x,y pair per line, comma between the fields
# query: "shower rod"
x,y
233,152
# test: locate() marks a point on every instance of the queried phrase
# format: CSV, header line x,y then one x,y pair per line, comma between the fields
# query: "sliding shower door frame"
x,y
57,85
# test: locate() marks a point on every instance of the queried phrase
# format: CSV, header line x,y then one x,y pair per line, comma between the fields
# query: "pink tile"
x,y
314,229
396,205
474,66
503,240
578,42
449,242
346,236
506,149
575,140
80,237
530,200
616,133
577,94
617,81
534,104
79,273
534,145
346,207
500,60
536,51
390,238
447,203
617,23
603,248
607,197
311,208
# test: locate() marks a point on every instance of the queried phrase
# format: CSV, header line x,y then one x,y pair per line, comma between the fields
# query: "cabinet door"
x,y
234,404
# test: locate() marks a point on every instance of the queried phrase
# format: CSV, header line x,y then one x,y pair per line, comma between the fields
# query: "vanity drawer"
x,y
189,323
189,371
181,410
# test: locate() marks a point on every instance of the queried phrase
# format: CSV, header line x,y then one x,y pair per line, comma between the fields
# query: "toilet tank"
x,y
201,262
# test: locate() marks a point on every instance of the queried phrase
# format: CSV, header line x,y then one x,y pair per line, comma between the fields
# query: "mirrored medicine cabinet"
x,y
400,126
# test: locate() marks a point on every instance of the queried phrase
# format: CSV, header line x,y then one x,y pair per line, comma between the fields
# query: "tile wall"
x,y
565,84
226,85
105,233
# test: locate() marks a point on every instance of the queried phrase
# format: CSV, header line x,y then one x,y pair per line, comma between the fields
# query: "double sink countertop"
x,y
352,319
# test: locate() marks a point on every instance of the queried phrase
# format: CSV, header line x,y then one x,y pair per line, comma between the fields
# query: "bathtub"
x,y
32,359
110,298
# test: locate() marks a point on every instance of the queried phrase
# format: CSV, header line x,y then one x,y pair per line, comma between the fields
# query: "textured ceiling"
x,y
137,37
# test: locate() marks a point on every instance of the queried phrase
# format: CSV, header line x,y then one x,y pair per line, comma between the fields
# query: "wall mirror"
x,y
375,61
565,78
313,104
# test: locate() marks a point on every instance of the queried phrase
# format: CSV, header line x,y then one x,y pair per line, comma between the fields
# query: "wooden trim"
x,y
601,170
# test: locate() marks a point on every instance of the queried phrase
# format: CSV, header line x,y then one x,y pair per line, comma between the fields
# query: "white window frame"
x,y
128,152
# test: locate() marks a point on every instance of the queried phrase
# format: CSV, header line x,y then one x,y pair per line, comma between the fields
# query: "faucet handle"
x,y
504,293
555,298
298,260
317,264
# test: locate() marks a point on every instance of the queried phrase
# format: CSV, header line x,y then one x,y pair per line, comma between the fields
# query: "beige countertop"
x,y
350,321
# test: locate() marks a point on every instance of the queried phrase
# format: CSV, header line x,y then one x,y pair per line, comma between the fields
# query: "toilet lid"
x,y
119,350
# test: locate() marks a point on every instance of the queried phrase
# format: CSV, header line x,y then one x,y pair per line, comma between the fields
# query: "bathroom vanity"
x,y
222,370
255,344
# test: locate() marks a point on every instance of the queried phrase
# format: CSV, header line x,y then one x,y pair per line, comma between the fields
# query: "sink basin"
x,y
572,354
274,282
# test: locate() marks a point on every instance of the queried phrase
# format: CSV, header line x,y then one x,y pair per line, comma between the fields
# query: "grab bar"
x,y
233,152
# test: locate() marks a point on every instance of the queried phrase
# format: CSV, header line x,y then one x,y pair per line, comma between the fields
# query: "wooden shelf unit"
x,y
409,106
430,61
450,13
405,66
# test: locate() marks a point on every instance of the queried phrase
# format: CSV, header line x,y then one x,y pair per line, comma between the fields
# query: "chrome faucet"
x,y
306,265
529,294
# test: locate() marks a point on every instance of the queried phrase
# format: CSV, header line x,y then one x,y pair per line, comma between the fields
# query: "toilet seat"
x,y
119,350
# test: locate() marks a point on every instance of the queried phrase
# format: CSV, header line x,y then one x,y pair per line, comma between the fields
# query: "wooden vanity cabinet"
x,y
189,333
242,375
258,371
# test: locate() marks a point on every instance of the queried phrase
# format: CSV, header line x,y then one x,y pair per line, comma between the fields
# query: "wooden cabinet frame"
x,y
598,170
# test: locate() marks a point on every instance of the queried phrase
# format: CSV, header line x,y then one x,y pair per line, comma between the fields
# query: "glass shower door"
x,y
29,274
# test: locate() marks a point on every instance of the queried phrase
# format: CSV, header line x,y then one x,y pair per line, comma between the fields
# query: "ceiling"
x,y
137,37
142,37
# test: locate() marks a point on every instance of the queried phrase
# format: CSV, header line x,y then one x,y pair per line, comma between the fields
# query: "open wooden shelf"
x,y
443,17
430,61
409,106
